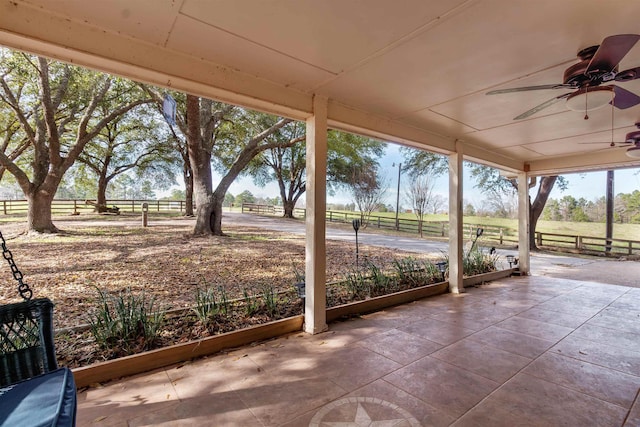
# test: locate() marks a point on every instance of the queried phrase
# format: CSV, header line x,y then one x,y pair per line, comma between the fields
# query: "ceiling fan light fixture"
x,y
634,152
588,99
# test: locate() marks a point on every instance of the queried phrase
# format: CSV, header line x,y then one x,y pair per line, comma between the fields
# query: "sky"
x,y
589,185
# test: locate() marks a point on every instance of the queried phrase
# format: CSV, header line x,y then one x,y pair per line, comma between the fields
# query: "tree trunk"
x,y
288,206
188,180
215,217
536,208
39,212
199,159
102,192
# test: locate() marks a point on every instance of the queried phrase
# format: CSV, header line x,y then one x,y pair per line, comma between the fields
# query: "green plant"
x,y
270,299
380,283
477,261
125,321
414,273
356,284
224,300
251,304
299,274
206,305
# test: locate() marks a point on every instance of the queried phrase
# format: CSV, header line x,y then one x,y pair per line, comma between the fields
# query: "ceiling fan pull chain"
x,y
586,104
613,144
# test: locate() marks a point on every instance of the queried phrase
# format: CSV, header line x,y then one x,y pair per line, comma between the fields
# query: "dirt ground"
x,y
163,260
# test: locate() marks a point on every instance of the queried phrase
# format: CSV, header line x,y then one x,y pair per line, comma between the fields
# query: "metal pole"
x,y
398,198
610,200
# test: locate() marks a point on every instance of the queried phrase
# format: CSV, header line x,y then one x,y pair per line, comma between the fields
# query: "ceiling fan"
x,y
598,65
632,138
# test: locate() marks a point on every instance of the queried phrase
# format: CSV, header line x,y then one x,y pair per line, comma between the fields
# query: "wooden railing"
x,y
70,206
270,210
498,235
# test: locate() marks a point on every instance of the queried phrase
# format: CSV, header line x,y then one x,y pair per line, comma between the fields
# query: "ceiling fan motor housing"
x,y
633,137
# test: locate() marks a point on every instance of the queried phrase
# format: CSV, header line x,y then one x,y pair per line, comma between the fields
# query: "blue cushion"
x,y
45,400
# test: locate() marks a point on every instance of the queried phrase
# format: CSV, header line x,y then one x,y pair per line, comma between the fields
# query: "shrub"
x,y
125,321
414,273
270,299
251,304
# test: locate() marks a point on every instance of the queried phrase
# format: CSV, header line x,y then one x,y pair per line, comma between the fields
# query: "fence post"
x,y
443,229
158,205
501,235
378,222
630,248
538,238
4,203
133,205
579,242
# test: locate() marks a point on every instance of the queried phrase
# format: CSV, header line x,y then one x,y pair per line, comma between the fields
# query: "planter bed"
x,y
153,359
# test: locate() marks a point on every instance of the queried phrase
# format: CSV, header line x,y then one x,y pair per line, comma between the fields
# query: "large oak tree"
x,y
287,164
57,106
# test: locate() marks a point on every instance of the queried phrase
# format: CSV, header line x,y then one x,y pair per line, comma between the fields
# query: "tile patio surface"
x,y
520,351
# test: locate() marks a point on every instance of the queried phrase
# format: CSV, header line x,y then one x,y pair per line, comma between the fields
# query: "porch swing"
x,y
33,390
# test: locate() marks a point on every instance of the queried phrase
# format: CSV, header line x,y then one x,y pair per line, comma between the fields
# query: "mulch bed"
x,y
167,263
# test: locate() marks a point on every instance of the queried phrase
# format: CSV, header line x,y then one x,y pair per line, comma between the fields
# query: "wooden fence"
x,y
491,234
70,206
270,210
587,244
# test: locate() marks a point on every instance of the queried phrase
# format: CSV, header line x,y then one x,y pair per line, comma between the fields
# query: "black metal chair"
x,y
26,340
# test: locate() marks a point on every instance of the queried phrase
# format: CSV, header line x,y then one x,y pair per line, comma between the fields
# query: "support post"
x,y
523,224
456,232
609,219
315,312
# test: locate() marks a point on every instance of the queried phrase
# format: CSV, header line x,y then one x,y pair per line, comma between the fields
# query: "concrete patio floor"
x,y
522,351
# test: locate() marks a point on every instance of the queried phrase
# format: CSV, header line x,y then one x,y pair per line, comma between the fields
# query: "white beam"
x,y
601,160
523,224
315,314
455,221
351,120
34,29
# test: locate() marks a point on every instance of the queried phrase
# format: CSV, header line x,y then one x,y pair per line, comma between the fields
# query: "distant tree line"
x,y
568,208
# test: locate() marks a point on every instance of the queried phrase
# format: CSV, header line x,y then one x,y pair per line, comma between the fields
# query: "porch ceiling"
x,y
414,72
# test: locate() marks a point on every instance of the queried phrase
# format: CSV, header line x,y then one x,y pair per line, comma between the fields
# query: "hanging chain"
x,y
25,291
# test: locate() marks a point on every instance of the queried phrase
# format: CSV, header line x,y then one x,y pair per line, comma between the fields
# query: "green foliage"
x,y
270,299
380,283
207,306
228,199
125,321
356,284
286,163
177,194
298,273
245,197
414,273
251,303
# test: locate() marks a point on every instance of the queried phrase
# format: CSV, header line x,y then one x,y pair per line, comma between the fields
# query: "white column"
x,y
315,311
523,224
455,221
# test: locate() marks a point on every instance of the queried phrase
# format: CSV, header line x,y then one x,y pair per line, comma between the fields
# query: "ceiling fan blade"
x,y
527,88
606,142
624,99
611,52
541,107
630,74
